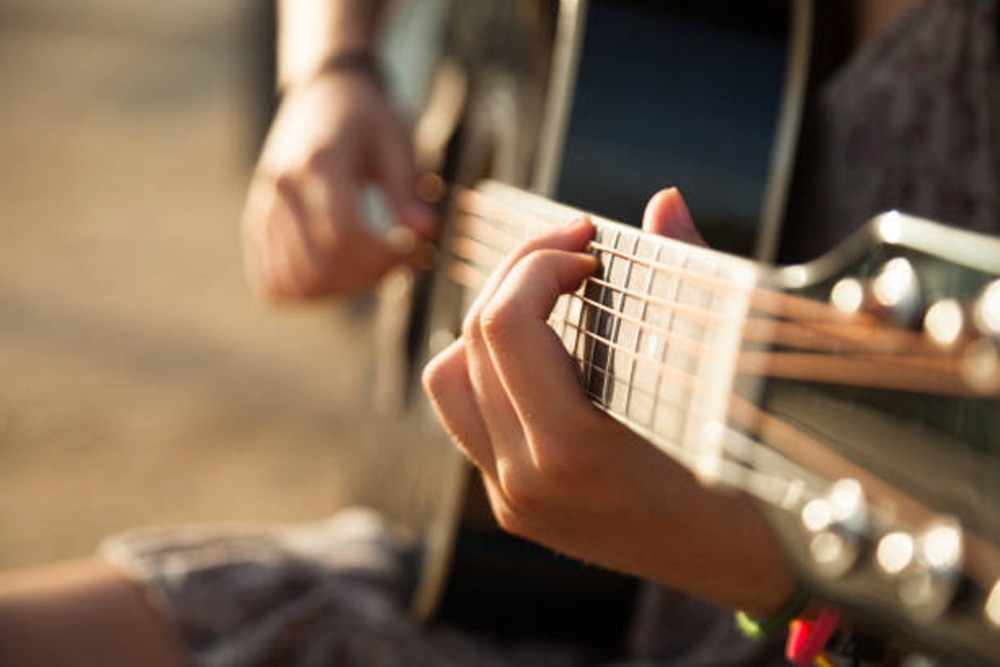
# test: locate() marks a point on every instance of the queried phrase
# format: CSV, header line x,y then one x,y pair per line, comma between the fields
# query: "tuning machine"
x,y
927,567
981,354
992,607
837,522
986,311
892,293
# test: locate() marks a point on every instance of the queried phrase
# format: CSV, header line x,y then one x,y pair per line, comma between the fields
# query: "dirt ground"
x,y
141,382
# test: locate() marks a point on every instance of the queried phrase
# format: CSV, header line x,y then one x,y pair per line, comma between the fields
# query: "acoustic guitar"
x,y
857,397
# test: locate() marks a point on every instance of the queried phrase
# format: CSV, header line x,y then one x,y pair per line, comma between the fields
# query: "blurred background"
x,y
141,383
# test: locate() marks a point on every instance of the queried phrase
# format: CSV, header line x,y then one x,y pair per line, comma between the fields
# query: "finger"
x,y
499,417
447,384
281,283
256,262
348,249
269,266
396,172
502,421
571,237
290,223
667,214
528,356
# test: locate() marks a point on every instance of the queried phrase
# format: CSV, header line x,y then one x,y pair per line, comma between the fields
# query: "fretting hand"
x,y
560,472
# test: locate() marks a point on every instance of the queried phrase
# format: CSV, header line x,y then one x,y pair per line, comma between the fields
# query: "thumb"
x,y
667,215
395,167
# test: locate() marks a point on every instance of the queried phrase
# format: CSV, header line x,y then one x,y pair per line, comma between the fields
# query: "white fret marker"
x,y
652,346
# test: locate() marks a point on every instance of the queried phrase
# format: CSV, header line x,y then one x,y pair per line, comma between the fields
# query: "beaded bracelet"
x,y
807,640
759,629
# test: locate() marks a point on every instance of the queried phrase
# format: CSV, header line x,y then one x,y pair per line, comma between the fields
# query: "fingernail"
x,y
402,240
420,218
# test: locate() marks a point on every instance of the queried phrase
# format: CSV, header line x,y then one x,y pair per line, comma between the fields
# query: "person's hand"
x,y
303,229
559,471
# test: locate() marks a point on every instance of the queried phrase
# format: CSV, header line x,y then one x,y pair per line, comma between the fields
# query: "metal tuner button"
x,y
927,567
837,522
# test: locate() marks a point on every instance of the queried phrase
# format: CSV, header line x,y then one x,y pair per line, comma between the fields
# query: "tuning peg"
x,y
981,365
838,522
945,322
895,552
928,567
981,355
895,292
992,607
986,311
848,295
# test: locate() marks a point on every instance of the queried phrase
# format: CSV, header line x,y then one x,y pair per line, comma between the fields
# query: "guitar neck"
x,y
657,335
690,348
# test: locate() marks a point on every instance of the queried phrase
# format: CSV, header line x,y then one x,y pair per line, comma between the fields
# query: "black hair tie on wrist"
x,y
361,62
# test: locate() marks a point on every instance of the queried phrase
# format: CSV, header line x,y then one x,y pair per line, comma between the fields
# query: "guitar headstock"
x,y
879,390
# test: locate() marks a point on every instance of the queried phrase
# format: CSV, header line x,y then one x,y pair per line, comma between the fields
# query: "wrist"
x,y
310,32
355,62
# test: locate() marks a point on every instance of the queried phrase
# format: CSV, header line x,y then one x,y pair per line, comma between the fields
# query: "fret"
x,y
594,352
655,334
642,393
627,328
714,372
693,296
643,377
666,418
683,379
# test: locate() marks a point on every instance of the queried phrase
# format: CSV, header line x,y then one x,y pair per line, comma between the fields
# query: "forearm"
x,y
81,613
309,31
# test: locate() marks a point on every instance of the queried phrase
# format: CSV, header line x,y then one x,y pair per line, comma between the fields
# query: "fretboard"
x,y
676,341
656,333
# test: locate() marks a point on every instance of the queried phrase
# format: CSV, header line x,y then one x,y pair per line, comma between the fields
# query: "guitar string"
x,y
525,224
700,315
823,309
712,283
679,340
854,332
733,470
747,460
776,303
900,373
742,463
929,373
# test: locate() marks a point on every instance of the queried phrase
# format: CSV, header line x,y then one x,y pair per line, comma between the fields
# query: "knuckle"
x,y
537,262
471,326
320,160
519,487
331,241
564,468
509,517
512,521
434,376
498,321
555,466
285,182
